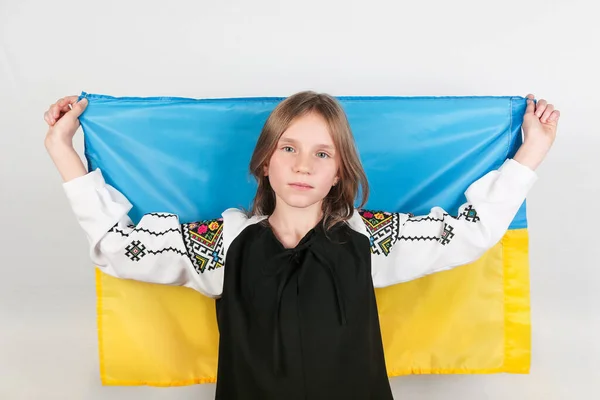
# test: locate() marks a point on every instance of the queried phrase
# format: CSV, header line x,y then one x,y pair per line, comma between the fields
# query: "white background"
x,y
49,49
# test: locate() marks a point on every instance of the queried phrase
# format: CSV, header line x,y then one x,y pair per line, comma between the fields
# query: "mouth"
x,y
300,186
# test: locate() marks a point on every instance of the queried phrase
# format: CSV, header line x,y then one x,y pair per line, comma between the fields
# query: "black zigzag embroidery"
x,y
163,215
122,233
417,238
167,249
420,219
119,231
448,234
469,214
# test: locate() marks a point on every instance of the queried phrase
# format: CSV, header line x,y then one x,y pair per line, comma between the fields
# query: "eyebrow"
x,y
292,141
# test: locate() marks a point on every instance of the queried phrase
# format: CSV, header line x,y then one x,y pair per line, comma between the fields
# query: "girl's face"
x,y
304,165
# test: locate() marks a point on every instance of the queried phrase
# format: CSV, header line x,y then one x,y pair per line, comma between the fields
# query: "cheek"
x,y
327,174
275,170
332,169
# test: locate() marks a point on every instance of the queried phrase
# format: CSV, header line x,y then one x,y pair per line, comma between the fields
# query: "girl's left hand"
x,y
540,122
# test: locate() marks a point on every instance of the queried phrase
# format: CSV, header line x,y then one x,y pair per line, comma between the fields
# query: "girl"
x,y
294,279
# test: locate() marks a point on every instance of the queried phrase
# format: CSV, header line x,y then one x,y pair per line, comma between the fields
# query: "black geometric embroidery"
x,y
470,214
383,228
204,244
447,235
135,250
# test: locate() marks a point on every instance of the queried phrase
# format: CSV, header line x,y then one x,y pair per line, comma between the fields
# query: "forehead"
x,y
309,129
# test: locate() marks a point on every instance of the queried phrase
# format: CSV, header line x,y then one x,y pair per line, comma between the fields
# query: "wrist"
x,y
54,144
65,159
531,155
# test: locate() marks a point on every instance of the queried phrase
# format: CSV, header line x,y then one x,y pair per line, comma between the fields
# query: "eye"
x,y
322,154
287,149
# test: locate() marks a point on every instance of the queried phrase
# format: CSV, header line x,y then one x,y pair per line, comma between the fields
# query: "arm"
x,y
157,250
405,247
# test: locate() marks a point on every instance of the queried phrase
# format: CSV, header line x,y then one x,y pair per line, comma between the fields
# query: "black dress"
x,y
300,323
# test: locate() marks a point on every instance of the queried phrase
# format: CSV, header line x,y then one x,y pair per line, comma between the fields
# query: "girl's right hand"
x,y
63,121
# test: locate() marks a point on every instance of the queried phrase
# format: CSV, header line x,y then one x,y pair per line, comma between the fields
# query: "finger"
x,y
79,107
63,104
68,100
51,119
58,111
554,116
547,113
54,111
65,101
540,107
47,118
530,104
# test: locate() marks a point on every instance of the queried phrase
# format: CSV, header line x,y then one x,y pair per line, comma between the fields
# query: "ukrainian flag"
x,y
191,157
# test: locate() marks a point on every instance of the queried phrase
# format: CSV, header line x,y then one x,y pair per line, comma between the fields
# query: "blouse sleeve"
x,y
159,249
406,247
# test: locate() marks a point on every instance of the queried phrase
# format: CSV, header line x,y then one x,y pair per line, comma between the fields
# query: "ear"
x,y
266,170
335,181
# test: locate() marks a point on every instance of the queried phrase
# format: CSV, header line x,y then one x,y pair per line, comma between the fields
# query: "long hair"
x,y
338,205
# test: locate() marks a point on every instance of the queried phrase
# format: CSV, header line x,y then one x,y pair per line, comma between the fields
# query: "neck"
x,y
292,222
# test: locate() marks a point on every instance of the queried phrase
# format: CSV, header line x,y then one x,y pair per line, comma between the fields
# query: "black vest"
x,y
300,323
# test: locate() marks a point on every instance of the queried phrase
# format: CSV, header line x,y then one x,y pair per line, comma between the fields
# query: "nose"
x,y
303,164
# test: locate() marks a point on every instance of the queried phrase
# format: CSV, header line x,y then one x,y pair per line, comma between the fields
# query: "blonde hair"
x,y
338,205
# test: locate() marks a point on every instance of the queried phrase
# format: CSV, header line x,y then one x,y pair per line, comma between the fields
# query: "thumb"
x,y
79,107
530,104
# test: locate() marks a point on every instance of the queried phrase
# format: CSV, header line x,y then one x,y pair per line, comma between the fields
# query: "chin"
x,y
301,201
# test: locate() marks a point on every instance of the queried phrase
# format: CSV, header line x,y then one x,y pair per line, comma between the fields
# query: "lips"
x,y
301,185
